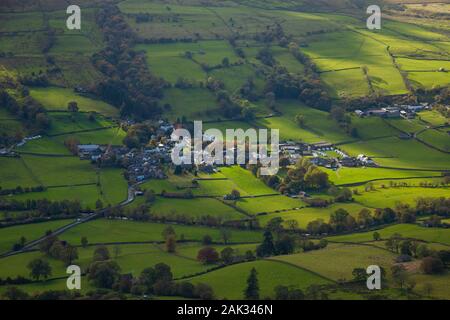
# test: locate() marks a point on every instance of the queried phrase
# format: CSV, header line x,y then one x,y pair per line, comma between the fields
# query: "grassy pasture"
x,y
195,103
11,235
58,98
429,79
433,117
131,259
268,204
337,261
113,186
318,126
245,180
306,215
359,175
407,125
57,171
113,136
105,230
210,52
229,282
45,145
397,153
15,173
63,122
437,138
21,22
233,82
439,235
23,44
390,196
355,84
87,195
195,208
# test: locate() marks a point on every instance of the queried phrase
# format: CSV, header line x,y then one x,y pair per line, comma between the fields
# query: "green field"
x,y
194,208
363,174
344,259
58,98
306,215
390,196
406,230
104,230
11,235
318,126
229,282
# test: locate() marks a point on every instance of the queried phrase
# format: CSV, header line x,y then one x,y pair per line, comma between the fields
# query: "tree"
x,y
204,291
225,234
68,254
168,231
251,292
225,62
399,275
171,243
72,106
359,274
14,293
227,255
104,274
300,120
101,254
376,236
39,268
266,248
208,255
285,245
431,265
84,242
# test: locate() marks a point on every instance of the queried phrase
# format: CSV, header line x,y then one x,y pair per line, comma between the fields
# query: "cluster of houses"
x,y
140,164
397,111
320,155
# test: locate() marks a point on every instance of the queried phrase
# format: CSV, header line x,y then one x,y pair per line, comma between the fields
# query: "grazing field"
x,y
246,181
86,194
58,99
268,204
15,173
337,261
229,282
439,235
11,235
58,171
194,103
396,153
361,175
318,126
433,117
194,208
436,138
66,122
306,215
389,197
105,230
